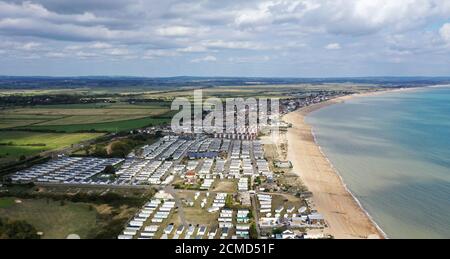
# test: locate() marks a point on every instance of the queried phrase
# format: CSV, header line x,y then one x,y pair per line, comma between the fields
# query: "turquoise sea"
x,y
393,152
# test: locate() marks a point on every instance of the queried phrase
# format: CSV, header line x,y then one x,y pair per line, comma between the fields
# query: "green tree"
x,y
100,151
17,230
109,169
253,232
229,202
120,149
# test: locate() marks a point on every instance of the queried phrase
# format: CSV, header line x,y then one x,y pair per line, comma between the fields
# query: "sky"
x,y
263,38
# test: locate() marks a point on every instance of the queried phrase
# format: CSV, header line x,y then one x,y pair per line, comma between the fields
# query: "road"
x,y
170,190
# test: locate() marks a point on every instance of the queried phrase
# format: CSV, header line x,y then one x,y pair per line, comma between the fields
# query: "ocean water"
x,y
393,152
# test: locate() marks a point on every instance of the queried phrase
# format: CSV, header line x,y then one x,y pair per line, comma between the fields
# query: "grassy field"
x,y
59,211
116,126
6,203
227,186
28,131
49,217
15,144
82,115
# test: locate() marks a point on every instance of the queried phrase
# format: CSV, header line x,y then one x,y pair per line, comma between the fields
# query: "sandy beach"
x,y
345,217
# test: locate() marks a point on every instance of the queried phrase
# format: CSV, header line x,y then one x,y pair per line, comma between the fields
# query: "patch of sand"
x,y
344,216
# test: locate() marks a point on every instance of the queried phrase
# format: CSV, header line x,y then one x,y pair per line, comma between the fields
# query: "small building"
x,y
316,219
200,155
287,234
169,229
180,230
190,177
283,164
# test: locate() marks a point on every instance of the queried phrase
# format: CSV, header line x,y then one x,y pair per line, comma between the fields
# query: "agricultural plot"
x,y
50,217
117,126
7,202
109,117
20,120
14,144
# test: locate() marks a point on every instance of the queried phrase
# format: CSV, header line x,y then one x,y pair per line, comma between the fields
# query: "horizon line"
x,y
218,76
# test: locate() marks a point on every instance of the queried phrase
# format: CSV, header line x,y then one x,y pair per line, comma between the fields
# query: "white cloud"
x,y
158,53
180,31
100,45
445,32
29,9
221,44
30,46
255,59
56,55
193,49
349,17
253,31
83,54
333,46
204,59
21,46
275,11
117,52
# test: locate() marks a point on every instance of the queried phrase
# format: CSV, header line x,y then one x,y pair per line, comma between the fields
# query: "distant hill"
x,y
40,82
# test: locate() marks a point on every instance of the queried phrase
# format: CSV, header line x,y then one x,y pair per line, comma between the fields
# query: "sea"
x,y
393,152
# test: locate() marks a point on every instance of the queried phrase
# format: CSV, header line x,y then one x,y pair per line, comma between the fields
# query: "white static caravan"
x,y
169,229
130,232
148,234
180,230
201,231
190,231
151,228
123,237
225,225
134,223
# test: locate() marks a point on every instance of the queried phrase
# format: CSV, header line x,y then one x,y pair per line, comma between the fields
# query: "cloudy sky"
x,y
296,38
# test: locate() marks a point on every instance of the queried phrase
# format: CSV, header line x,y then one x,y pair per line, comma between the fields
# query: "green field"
x,y
6,203
82,117
49,217
14,144
28,131
116,126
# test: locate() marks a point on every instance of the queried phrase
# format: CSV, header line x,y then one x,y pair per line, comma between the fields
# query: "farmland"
x,y
59,219
49,217
61,211
15,144
6,203
115,126
81,117
28,130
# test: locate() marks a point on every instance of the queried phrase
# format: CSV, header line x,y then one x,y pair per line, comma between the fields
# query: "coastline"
x,y
380,230
345,215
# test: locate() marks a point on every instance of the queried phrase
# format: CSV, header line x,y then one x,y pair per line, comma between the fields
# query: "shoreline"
x,y
345,215
380,230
